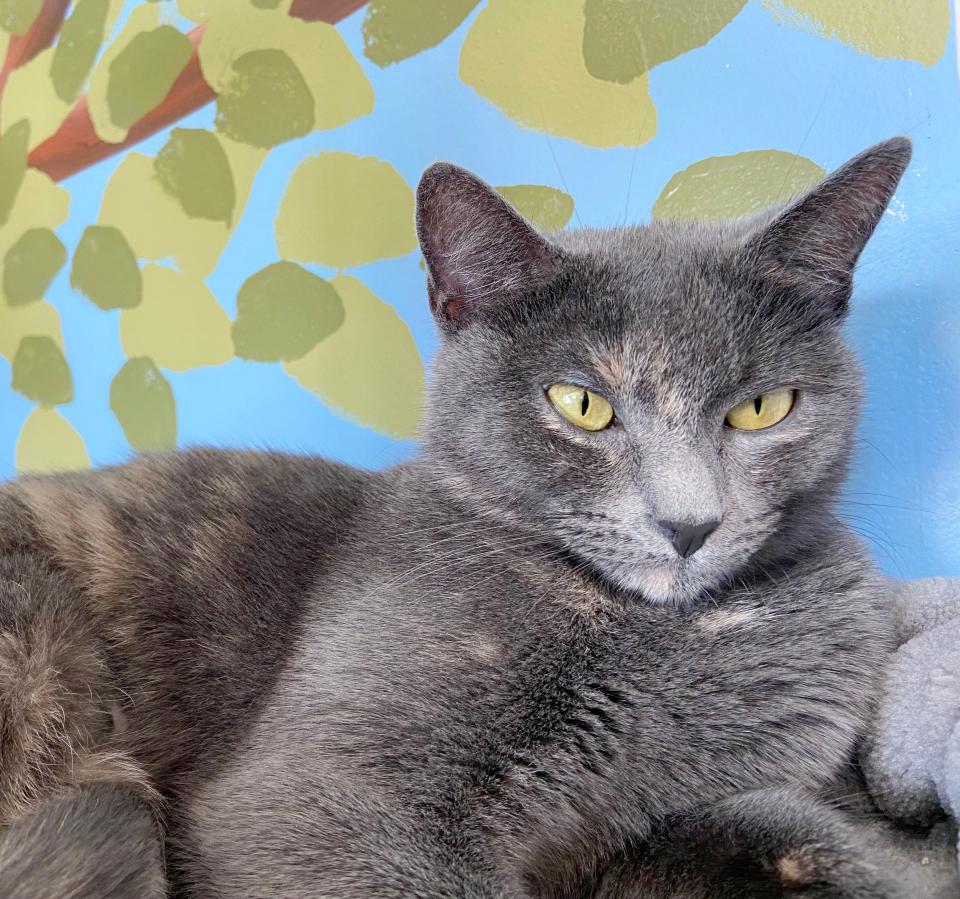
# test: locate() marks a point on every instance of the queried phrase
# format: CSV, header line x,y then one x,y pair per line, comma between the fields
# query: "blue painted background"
x,y
757,85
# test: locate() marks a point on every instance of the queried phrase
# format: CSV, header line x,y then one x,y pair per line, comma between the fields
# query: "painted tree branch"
x,y
331,11
76,146
40,35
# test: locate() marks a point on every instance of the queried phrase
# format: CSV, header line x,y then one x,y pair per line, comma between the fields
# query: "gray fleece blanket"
x,y
911,762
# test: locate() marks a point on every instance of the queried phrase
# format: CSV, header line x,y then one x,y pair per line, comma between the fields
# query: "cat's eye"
x,y
581,407
762,411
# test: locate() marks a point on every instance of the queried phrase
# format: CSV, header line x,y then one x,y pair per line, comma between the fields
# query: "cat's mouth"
x,y
643,565
670,584
673,582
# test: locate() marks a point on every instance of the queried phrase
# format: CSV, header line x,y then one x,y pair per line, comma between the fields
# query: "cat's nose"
x,y
687,537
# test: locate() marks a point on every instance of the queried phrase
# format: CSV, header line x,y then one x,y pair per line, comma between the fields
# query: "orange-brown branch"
x,y
331,11
40,35
75,146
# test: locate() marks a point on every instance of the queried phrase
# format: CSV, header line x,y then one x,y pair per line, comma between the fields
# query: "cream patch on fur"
x,y
481,647
671,404
657,584
798,869
614,367
724,619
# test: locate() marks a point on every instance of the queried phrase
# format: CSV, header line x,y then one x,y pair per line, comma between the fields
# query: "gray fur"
x,y
487,673
97,843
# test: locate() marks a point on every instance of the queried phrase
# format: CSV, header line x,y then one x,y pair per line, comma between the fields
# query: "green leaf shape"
x,y
365,212
143,73
266,4
39,203
16,16
31,264
179,324
13,166
41,373
726,187
78,44
267,102
398,29
48,443
283,312
526,57
142,401
143,18
317,50
545,207
887,29
155,224
193,168
624,39
370,370
105,269
33,320
30,96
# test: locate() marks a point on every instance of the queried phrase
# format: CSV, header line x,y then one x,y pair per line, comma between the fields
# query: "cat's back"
x,y
199,565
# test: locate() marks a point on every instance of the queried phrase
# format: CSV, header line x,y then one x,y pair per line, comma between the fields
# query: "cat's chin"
x,y
671,584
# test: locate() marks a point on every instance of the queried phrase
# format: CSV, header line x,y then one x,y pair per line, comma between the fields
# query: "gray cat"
x,y
606,636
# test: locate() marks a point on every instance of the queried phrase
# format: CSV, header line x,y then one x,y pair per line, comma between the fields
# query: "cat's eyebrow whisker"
x,y
546,133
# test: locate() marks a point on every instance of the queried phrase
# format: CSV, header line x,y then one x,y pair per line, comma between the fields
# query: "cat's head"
x,y
660,403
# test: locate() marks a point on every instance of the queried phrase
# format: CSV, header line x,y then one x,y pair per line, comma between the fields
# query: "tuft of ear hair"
x,y
812,247
477,247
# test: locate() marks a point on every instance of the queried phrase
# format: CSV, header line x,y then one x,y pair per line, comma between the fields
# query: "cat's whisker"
x,y
899,505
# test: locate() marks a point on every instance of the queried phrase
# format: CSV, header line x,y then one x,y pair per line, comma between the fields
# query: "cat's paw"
x,y
765,844
809,872
820,872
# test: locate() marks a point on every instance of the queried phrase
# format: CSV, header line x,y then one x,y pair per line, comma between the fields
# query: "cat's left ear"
x,y
477,247
812,247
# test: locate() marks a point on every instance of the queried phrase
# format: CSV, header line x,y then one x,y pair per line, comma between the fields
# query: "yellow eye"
x,y
763,411
582,407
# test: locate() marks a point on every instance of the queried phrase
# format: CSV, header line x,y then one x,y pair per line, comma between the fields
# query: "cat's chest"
x,y
667,709
725,695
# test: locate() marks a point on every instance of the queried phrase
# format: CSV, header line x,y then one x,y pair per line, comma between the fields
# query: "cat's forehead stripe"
x,y
614,366
628,369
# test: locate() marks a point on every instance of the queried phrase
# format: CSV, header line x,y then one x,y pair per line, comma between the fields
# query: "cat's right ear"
x,y
812,247
477,247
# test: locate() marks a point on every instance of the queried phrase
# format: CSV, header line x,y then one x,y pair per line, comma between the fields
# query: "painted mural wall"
x,y
206,206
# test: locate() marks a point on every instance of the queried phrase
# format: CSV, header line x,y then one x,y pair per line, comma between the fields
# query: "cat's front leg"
x,y
757,845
